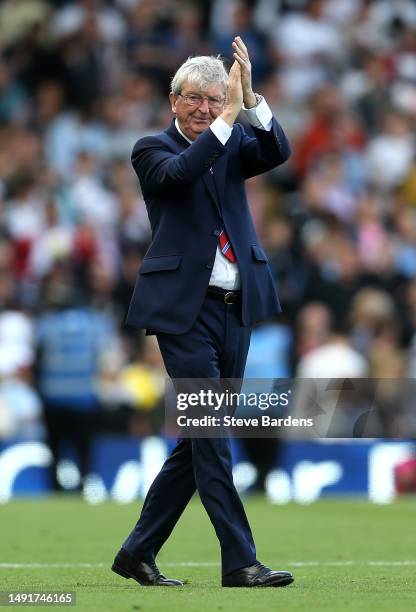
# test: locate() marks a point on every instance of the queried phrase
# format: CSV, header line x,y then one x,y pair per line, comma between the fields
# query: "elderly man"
x,y
203,283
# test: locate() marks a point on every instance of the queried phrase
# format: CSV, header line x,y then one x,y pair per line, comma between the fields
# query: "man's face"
x,y
196,109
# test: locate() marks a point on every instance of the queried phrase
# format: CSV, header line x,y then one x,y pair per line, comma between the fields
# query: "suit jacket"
x,y
191,191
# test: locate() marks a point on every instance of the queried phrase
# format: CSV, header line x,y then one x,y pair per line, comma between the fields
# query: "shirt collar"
x,y
180,131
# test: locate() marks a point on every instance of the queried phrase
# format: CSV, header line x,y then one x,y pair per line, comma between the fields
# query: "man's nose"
x,y
204,106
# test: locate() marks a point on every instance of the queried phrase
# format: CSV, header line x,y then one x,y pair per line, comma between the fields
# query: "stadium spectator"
x,y
72,339
334,359
268,358
308,48
241,23
21,416
314,326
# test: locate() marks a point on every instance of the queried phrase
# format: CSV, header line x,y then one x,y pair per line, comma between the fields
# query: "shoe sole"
x,y
282,582
121,572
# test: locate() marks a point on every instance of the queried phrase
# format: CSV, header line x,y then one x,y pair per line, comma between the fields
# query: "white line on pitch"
x,y
49,565
208,564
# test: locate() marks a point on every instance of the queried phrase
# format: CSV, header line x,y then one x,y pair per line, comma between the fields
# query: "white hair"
x,y
202,71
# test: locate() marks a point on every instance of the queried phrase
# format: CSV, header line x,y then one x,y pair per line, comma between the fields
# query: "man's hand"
x,y
234,95
242,57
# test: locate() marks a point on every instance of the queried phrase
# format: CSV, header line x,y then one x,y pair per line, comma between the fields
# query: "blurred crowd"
x,y
81,81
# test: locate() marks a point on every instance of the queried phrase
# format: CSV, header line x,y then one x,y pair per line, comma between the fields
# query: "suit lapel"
x,y
214,178
211,187
220,171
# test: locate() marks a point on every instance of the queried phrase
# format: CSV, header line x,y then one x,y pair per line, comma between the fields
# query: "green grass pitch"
x,y
346,555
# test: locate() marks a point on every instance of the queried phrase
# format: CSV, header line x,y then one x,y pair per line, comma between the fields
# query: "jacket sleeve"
x,y
160,170
266,151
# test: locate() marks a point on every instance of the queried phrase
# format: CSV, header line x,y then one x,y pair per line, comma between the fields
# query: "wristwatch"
x,y
259,98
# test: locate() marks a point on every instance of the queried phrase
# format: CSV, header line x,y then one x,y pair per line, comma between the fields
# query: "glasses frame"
x,y
218,104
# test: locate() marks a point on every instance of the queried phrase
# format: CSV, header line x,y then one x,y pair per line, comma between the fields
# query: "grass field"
x,y
346,555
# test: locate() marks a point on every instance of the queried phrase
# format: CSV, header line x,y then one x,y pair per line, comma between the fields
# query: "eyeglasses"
x,y
195,100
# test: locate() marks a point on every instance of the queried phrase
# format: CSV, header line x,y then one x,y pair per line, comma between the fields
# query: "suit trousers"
x,y
215,347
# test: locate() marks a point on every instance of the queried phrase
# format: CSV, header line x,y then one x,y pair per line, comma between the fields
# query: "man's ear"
x,y
172,100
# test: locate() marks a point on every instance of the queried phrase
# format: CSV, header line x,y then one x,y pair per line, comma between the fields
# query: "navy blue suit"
x,y
191,192
187,206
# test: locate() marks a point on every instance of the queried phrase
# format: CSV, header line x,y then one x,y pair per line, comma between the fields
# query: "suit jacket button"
x,y
209,266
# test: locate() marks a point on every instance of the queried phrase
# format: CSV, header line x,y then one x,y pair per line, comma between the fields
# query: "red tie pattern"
x,y
225,246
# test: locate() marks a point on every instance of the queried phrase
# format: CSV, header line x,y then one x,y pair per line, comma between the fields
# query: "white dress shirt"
x,y
225,273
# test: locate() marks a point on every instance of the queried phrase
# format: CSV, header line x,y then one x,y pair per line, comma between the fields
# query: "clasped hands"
x,y
239,83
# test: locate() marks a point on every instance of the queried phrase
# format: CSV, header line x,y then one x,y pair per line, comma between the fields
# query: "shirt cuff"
x,y
260,116
221,130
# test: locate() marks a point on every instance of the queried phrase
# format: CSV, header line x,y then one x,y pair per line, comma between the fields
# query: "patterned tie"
x,y
224,240
225,246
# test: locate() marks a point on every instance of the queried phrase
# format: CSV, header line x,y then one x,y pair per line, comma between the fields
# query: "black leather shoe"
x,y
146,574
257,575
